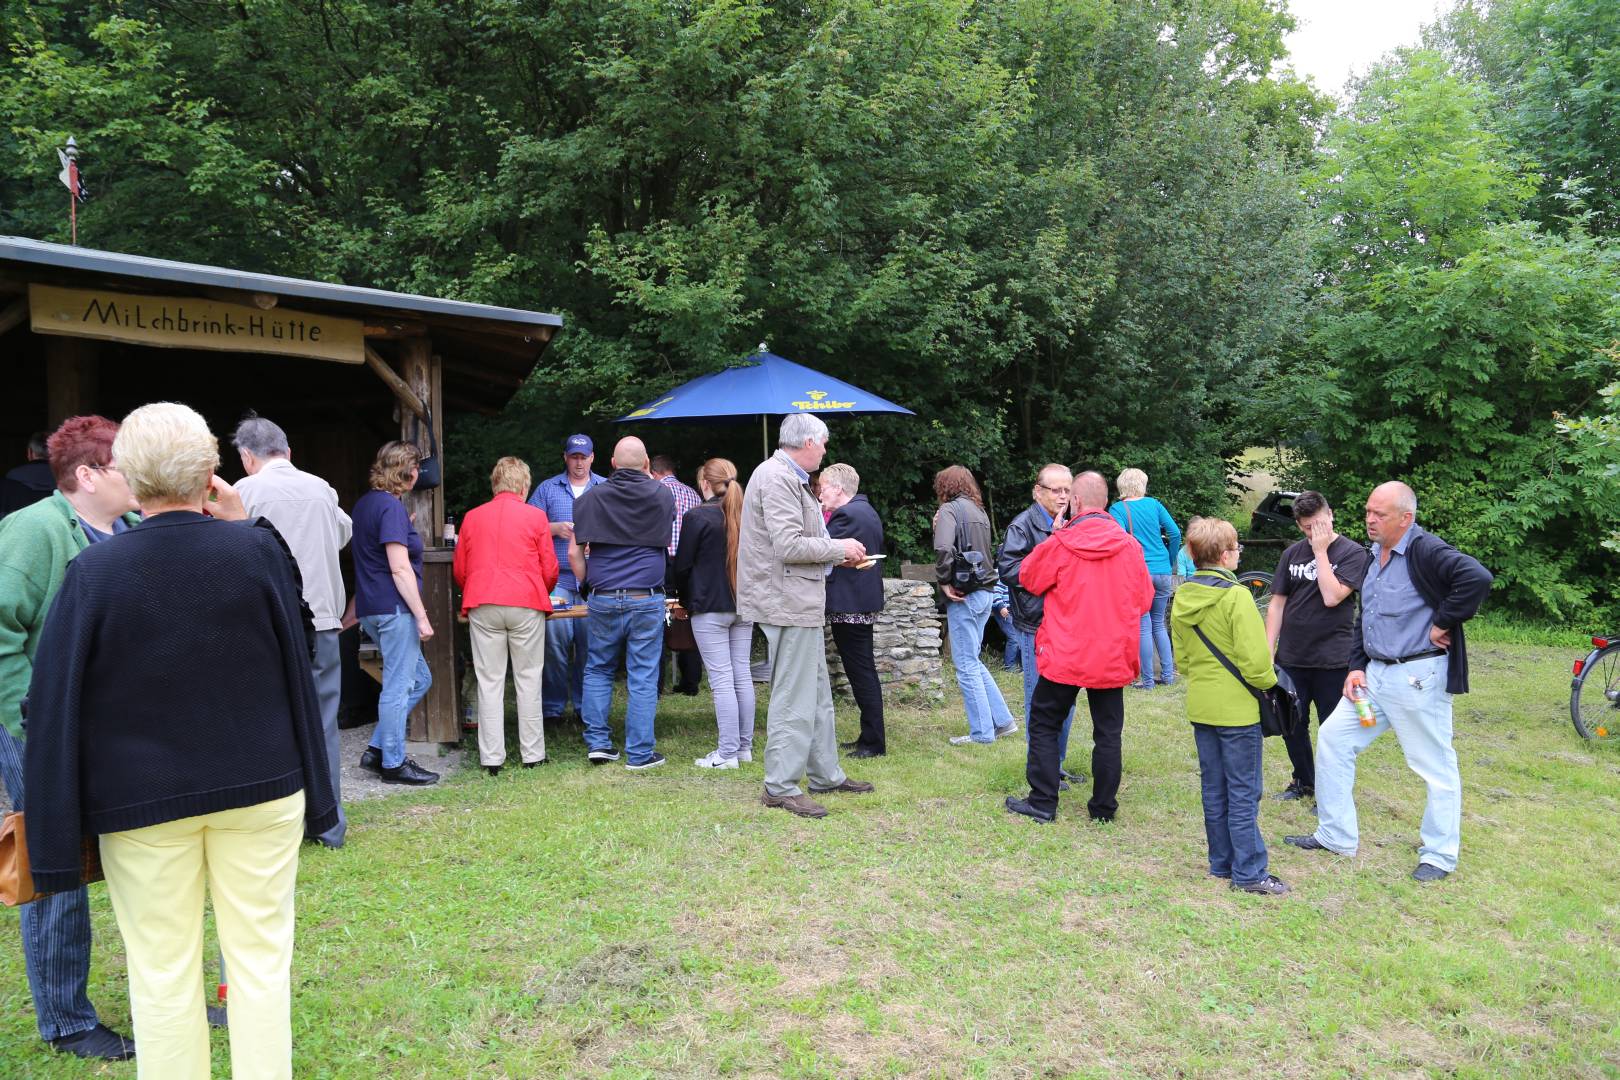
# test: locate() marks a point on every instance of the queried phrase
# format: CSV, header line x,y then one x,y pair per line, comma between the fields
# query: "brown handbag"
x,y
17,880
678,636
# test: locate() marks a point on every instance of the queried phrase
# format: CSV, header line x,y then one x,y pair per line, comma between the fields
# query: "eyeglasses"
x,y
1238,549
108,468
1054,490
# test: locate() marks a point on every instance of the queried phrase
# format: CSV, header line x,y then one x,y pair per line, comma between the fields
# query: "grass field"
x,y
571,921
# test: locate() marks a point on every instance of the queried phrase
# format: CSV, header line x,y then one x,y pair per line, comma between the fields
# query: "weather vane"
x,y
69,155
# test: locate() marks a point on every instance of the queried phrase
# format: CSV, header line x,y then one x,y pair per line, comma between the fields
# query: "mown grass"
x,y
571,921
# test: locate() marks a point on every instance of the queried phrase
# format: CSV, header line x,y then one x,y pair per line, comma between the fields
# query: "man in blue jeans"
x,y
1024,533
562,681
619,550
91,503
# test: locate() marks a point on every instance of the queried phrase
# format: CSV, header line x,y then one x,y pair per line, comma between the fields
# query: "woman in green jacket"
x,y
1225,716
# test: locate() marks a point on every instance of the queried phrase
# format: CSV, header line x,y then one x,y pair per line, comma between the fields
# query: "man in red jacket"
x,y
1096,589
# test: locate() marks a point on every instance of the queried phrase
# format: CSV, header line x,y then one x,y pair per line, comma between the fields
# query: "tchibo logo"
x,y
817,401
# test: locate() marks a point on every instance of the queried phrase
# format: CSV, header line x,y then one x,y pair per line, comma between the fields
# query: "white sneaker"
x,y
1010,729
715,761
962,740
745,755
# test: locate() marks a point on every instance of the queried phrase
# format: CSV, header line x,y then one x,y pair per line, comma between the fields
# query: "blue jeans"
x,y
405,681
562,681
986,709
55,935
1229,772
1010,656
1156,634
1026,648
1410,698
634,628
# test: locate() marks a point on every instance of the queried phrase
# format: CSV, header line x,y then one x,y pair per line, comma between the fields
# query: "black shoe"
x,y
1308,842
1429,872
533,764
100,1042
1270,885
371,760
853,744
217,1017
651,763
688,691
409,772
1072,777
602,757
1021,806
1063,785
863,752
493,770
1295,790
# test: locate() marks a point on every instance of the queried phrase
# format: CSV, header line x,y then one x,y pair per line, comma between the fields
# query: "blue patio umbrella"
x,y
764,385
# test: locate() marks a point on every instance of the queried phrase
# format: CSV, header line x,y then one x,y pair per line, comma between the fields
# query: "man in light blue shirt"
x,y
567,640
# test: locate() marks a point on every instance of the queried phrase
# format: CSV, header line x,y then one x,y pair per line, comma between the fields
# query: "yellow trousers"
x,y
155,877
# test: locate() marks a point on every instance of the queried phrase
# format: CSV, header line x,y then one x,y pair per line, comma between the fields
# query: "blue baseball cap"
x,y
578,444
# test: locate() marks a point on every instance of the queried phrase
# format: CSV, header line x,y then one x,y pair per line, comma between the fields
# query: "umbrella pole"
x,y
764,437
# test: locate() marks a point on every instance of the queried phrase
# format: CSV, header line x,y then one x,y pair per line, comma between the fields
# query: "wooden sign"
x,y
191,322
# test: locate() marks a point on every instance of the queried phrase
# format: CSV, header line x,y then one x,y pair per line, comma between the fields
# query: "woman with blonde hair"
x,y
1150,523
506,565
173,714
387,553
706,586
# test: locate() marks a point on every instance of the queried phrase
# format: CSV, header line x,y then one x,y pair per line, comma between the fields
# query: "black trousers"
x,y
854,641
688,670
1051,703
1322,687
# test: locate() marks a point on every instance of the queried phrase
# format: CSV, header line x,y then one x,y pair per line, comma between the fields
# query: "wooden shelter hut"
x,y
341,369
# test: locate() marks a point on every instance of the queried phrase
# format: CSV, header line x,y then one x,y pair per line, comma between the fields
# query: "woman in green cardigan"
x,y
1224,714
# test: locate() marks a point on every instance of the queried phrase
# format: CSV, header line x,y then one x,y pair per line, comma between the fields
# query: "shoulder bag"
x,y
17,880
1279,706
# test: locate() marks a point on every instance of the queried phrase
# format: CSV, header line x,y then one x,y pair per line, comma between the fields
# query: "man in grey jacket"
x,y
305,511
1024,533
783,558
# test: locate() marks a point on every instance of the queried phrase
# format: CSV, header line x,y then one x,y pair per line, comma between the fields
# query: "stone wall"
x,y
907,642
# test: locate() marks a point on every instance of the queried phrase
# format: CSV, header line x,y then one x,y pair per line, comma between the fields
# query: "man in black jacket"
x,y
1024,534
1408,658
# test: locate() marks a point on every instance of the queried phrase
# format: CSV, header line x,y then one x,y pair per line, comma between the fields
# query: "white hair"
x,y
800,428
843,477
166,452
260,437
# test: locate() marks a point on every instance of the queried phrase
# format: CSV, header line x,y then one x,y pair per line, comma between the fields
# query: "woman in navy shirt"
x,y
388,602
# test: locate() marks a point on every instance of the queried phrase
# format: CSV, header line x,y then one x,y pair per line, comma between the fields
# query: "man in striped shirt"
x,y
688,665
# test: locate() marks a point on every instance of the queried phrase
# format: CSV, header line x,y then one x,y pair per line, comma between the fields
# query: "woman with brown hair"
x,y
706,585
966,570
388,602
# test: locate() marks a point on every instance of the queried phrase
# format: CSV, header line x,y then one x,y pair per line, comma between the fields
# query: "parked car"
x,y
1275,516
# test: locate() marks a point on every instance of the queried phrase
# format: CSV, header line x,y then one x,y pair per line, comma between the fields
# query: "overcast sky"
x,y
1338,38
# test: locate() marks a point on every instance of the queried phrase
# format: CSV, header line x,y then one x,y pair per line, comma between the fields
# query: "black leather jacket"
x,y
1023,534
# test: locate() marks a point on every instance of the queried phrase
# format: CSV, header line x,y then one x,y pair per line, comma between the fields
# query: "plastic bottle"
x,y
1363,704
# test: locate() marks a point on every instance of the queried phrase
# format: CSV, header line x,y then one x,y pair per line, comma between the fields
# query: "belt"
x,y
1424,655
628,594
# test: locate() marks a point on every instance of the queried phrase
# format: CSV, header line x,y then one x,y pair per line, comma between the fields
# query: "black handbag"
x,y
429,470
970,570
1279,705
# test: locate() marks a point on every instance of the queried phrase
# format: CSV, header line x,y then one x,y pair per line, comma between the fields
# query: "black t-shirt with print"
x,y
1313,634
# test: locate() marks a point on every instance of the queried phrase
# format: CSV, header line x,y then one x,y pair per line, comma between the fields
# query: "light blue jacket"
x,y
1154,528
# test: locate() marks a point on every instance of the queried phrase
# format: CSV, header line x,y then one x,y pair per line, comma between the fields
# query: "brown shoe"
x,y
801,805
854,787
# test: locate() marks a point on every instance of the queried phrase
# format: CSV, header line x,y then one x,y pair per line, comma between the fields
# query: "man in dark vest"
x,y
29,482
1408,656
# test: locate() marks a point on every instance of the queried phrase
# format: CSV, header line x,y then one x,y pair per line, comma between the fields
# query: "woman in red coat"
x,y
506,566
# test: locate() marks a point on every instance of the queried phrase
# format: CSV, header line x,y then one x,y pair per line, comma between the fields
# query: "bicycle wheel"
x,y
1258,582
1594,694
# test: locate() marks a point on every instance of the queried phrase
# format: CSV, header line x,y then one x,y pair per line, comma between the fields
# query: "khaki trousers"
x,y
496,630
155,877
800,736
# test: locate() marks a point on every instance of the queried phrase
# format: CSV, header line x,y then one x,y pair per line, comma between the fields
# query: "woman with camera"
x,y
966,571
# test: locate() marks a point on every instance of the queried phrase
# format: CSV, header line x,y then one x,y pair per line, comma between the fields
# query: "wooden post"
x,y
416,363
70,378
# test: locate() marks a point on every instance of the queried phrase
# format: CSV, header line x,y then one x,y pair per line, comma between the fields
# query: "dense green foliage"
x,y
1104,232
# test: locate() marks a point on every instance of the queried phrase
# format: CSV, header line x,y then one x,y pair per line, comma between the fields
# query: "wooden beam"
x,y
261,300
402,391
13,315
70,378
394,329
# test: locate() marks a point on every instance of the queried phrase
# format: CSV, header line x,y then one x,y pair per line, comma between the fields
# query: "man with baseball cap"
x,y
567,640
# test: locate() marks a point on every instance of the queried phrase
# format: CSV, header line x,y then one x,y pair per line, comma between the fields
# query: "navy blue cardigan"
x,y
1451,583
172,680
848,589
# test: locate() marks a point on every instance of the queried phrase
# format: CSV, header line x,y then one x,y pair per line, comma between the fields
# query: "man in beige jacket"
x,y
783,558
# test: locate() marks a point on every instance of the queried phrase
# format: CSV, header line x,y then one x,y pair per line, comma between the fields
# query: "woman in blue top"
x,y
1154,528
387,553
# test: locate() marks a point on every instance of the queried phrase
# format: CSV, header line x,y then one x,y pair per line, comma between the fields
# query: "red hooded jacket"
x,y
1096,589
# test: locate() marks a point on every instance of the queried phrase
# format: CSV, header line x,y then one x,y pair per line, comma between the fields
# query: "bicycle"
x,y
1258,582
1594,692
